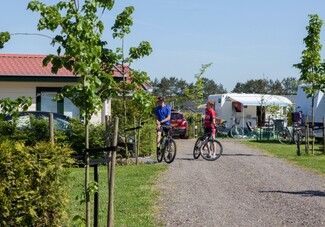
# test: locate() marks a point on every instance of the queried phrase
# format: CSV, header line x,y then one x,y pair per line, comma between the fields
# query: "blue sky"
x,y
244,40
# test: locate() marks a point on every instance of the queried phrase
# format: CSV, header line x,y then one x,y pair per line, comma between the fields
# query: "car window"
x,y
60,123
177,116
23,121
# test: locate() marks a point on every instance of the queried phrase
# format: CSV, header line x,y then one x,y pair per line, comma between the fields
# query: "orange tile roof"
x,y
32,65
27,65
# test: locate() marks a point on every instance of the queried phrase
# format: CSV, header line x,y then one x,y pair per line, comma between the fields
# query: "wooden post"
x,y
324,135
307,135
96,196
138,144
51,128
110,218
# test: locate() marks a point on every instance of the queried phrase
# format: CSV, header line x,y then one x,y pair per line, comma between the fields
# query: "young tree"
x,y
311,67
196,93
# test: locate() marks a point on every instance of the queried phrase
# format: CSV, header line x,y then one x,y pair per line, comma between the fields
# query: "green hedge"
x,y
33,184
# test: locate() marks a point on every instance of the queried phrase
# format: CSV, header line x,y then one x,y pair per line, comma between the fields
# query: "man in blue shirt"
x,y
163,113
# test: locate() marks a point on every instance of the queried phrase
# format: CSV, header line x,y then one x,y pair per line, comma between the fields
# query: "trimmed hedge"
x,y
33,183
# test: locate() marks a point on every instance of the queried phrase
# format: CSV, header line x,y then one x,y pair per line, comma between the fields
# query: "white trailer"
x,y
246,107
304,105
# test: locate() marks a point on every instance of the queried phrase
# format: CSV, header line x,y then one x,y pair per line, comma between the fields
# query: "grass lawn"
x,y
314,162
135,197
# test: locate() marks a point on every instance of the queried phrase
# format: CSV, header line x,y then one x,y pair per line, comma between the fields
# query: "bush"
x,y
74,136
33,184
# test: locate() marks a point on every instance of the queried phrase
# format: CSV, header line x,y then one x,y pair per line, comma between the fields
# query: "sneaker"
x,y
169,156
213,156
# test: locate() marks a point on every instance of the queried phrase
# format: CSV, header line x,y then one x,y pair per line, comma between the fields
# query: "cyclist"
x,y
163,113
210,121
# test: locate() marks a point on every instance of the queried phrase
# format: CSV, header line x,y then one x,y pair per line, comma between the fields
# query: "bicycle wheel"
x,y
161,151
236,132
222,131
211,150
196,150
284,137
170,151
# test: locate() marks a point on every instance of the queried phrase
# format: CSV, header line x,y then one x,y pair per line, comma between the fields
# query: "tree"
x,y
290,86
275,87
258,86
311,68
210,87
12,106
196,93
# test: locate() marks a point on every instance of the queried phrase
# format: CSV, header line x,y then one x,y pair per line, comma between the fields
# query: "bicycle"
x,y
235,130
208,148
167,147
290,134
222,129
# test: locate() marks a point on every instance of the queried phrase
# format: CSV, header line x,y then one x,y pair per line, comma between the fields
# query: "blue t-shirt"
x,y
163,112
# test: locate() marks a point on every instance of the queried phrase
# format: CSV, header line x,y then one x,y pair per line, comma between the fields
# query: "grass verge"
x,y
135,196
314,162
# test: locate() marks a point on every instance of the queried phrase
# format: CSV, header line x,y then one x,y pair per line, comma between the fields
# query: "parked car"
x,y
179,124
61,122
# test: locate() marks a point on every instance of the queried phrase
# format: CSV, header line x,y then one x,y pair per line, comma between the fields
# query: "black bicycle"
x,y
167,149
290,134
210,149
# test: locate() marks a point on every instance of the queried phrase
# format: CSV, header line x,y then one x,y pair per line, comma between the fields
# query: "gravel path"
x,y
244,187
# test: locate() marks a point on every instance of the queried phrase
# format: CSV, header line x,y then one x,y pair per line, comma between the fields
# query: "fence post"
x,y
297,134
307,135
324,135
110,218
96,196
51,128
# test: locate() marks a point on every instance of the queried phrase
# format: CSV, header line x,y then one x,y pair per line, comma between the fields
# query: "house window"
x,y
45,102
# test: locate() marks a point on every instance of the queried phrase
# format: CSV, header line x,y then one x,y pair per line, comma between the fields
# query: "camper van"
x,y
303,104
242,108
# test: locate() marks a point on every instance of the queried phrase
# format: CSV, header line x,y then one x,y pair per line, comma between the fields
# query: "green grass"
x,y
135,194
314,162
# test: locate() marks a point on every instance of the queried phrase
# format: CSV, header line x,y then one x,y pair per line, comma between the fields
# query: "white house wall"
x,y
13,90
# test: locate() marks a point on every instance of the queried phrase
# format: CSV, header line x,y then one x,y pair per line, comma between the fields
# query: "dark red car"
x,y
179,124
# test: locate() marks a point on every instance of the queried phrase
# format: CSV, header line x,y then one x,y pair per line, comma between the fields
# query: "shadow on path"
x,y
303,193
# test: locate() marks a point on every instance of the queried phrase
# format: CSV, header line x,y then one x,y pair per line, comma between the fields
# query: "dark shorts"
x,y
166,130
209,130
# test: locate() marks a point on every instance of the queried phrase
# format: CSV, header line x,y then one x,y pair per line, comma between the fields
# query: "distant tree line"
x,y
288,86
174,88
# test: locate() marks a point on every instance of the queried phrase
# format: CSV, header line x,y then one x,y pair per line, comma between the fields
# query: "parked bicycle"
x,y
167,146
236,131
290,134
222,129
208,148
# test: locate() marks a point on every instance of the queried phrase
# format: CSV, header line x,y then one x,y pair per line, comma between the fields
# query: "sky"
x,y
243,39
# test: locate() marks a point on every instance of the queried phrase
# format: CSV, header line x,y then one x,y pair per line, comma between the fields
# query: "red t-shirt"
x,y
210,114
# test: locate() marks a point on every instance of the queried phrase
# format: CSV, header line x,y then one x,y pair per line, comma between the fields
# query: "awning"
x,y
259,99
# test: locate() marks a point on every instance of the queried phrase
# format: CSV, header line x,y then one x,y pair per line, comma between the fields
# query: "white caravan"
x,y
303,104
247,107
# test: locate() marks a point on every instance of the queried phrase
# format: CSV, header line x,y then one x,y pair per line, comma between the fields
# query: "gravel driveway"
x,y
244,187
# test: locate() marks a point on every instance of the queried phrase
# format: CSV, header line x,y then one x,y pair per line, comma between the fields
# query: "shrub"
x,y
33,184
